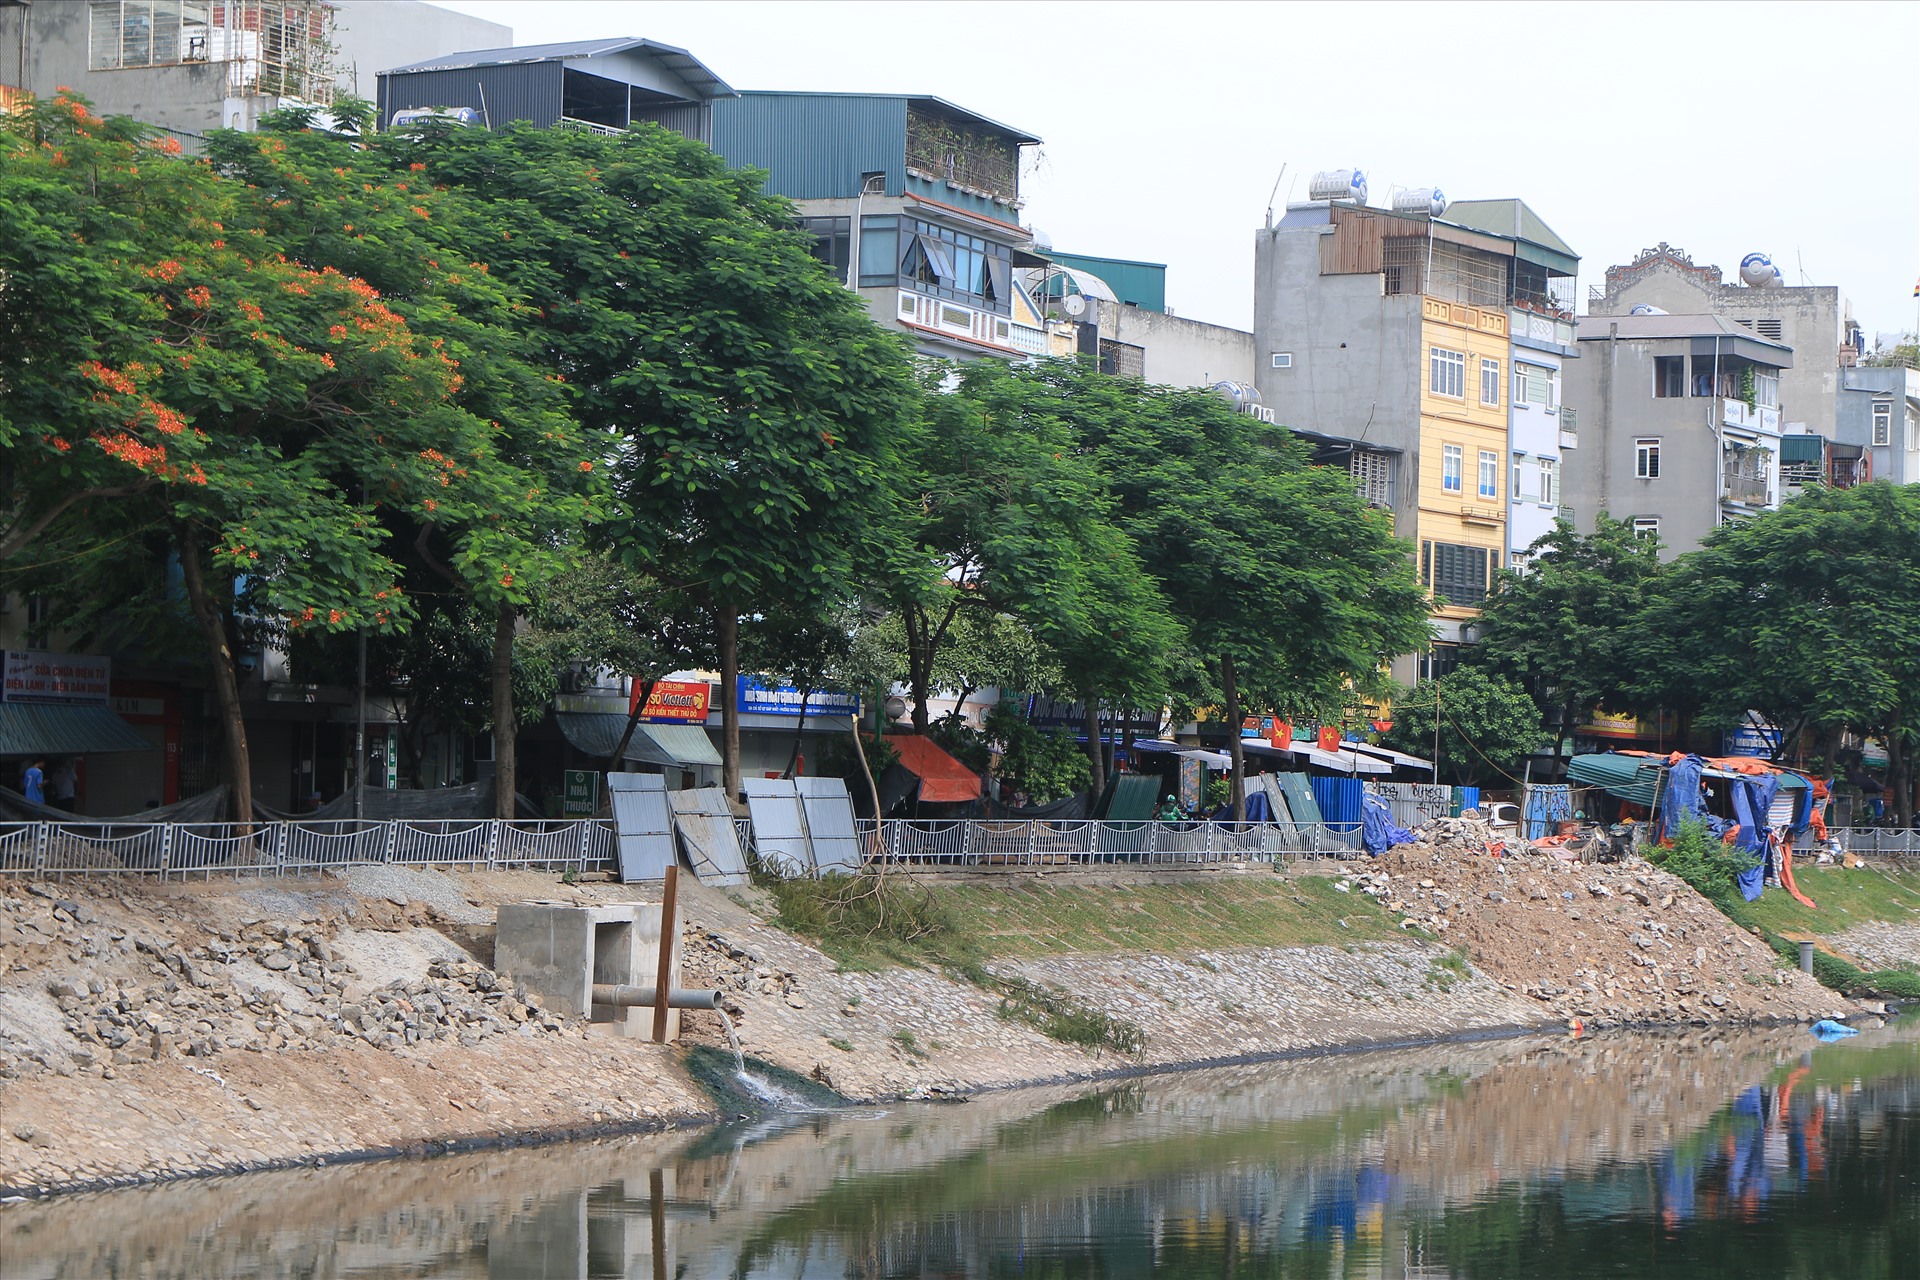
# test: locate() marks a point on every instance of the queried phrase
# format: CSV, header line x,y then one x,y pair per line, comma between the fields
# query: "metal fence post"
x,y
282,837
42,848
166,848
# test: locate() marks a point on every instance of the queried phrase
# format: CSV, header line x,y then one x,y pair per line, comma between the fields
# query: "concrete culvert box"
x,y
561,951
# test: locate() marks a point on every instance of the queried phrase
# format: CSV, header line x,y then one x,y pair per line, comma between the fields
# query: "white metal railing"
x,y
935,844
283,848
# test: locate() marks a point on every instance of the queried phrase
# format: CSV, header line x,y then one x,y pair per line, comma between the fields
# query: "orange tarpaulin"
x,y
943,779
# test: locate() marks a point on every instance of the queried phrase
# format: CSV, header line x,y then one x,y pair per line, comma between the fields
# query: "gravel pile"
x,y
1616,943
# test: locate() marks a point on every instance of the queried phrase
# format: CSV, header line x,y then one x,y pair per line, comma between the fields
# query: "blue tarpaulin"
x,y
1828,1030
1752,797
1379,832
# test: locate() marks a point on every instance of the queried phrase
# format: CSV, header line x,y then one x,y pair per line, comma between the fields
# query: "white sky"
x,y
1719,128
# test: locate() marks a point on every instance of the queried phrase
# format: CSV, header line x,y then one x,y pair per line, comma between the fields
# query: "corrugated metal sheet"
x,y
1339,800
707,836
779,824
1300,799
522,91
1414,804
28,729
814,146
829,811
643,824
691,119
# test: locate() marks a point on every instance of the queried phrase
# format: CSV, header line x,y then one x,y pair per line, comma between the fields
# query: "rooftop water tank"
x,y
1647,309
1338,184
1427,200
1758,271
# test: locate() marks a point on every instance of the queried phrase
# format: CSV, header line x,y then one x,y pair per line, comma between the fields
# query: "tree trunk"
x,y
877,848
730,700
634,713
1230,685
1096,761
226,686
799,727
505,785
1899,784
919,665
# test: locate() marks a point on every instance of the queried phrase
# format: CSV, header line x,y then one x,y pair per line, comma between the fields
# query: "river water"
x,y
1747,1153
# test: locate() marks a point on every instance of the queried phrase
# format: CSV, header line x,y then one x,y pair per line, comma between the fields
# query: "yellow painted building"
x,y
1461,524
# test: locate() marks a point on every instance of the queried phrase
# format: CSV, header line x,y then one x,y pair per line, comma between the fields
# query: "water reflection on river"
x,y
1746,1153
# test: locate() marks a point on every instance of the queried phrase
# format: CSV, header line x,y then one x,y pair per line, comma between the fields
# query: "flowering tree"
x,y
174,382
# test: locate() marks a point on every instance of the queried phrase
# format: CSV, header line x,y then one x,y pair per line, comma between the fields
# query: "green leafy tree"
x,y
334,202
752,403
1570,629
1048,766
1810,614
172,380
1487,724
1290,591
1006,513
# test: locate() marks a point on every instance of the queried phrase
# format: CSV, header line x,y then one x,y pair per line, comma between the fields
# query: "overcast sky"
x,y
1718,128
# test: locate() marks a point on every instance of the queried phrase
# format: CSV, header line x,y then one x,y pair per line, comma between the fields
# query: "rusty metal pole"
x,y
669,937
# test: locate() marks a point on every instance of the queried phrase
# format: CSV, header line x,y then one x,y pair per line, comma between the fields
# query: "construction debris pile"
x,y
1604,944
264,986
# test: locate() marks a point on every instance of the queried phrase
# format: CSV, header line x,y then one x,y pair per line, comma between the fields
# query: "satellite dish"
x,y
1076,304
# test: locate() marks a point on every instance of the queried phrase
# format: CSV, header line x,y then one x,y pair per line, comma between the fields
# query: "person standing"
x,y
33,782
65,779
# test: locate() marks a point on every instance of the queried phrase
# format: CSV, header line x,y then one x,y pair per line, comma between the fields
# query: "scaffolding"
x,y
271,48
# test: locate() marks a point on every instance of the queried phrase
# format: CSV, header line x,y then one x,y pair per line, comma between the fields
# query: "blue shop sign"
x,y
760,698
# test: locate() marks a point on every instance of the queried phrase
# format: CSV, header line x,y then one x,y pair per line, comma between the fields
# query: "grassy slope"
x,y
1842,898
958,925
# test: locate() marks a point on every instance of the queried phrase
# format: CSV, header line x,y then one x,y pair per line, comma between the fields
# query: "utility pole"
x,y
360,736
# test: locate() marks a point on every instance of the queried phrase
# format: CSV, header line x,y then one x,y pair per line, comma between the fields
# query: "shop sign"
x,y
672,701
73,679
761,698
580,793
1755,738
1190,777
1626,724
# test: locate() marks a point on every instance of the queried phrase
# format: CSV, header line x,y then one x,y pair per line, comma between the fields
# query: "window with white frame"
x,y
1448,373
1489,381
1646,458
1517,470
1883,422
1549,479
1766,390
1646,526
1283,359
1452,461
148,33
1489,474
1913,434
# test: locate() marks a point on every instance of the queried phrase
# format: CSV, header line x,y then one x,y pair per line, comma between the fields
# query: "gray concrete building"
x,y
1680,427
1816,321
1879,412
191,66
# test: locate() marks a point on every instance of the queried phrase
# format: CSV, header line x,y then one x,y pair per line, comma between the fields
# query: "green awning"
x,y
30,729
1630,778
597,733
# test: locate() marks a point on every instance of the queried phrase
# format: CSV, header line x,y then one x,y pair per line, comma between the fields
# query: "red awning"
x,y
943,780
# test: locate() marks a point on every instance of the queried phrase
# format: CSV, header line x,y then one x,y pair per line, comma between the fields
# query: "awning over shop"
x,y
1347,761
1400,758
596,733
1212,759
943,780
30,729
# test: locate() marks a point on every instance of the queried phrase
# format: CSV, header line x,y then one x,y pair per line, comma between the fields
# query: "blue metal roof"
x,y
675,59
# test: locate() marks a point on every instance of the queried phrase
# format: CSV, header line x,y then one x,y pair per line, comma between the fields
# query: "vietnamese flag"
x,y
1329,738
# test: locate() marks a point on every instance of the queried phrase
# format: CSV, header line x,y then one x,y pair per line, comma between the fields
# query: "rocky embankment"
x,y
152,1029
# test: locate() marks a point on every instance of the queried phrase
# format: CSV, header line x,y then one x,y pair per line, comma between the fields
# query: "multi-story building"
x,y
1680,427
191,66
913,200
1815,321
1541,425
1386,338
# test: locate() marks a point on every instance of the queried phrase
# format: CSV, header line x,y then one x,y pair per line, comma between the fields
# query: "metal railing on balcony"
x,y
1752,491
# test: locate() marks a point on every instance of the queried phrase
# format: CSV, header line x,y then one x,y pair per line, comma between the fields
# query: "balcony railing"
x,y
1738,413
1753,491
